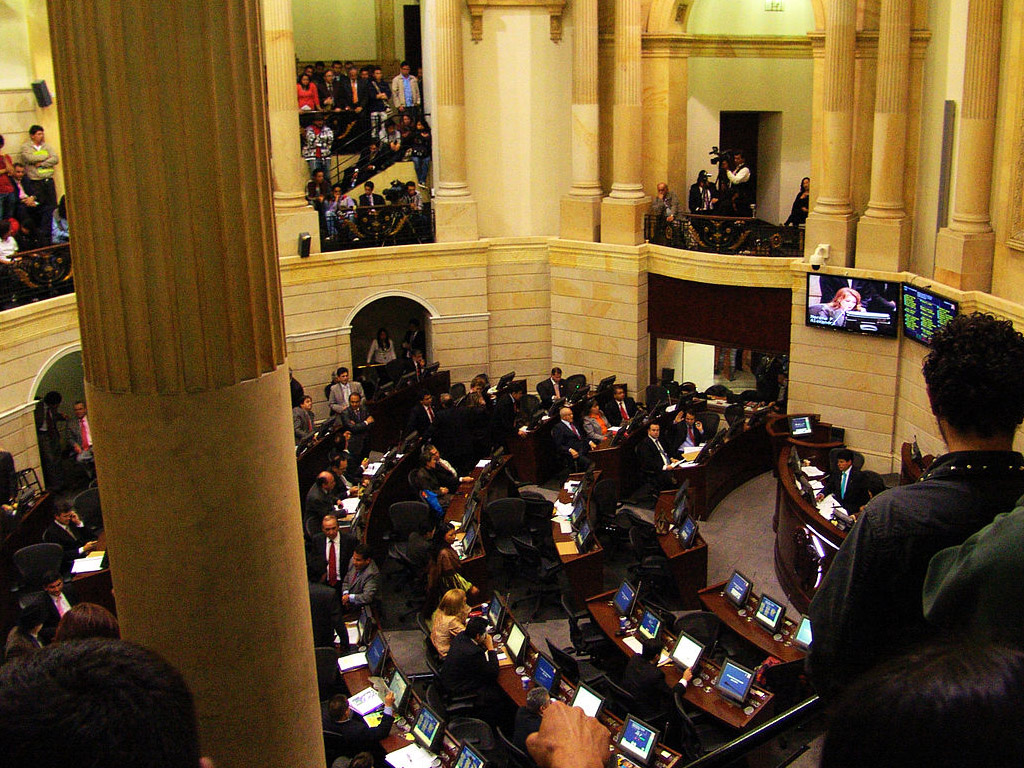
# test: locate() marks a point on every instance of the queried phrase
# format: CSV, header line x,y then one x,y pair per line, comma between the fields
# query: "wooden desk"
x,y
534,453
312,461
805,542
701,696
391,413
377,521
911,469
689,566
713,599
584,570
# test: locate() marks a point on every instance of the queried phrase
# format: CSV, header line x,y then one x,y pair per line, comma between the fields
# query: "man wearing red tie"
x,y
620,408
419,363
302,419
689,431
328,553
80,436
570,443
421,418
550,390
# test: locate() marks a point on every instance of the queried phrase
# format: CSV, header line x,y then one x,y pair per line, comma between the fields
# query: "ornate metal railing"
x,y
35,275
724,234
383,225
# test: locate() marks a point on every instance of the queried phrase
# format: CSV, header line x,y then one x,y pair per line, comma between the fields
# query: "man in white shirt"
x,y
56,603
654,459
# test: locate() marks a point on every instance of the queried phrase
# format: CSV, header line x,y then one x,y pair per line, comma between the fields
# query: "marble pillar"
x,y
289,172
581,208
883,232
964,249
454,207
622,212
832,219
179,303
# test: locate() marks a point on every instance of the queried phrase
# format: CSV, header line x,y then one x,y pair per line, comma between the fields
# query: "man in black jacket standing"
x,y
471,667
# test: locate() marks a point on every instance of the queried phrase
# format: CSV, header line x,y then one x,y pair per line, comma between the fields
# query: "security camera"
x,y
819,257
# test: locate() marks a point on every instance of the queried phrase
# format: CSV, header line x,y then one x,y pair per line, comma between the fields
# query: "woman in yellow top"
x,y
449,620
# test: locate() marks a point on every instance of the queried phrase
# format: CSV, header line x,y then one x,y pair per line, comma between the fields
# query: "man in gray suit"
x,y
362,581
302,419
341,391
356,421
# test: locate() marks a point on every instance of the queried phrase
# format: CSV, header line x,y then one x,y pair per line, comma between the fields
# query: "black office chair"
x,y
651,569
517,758
573,383
505,520
618,700
369,389
326,672
734,413
313,526
699,734
537,517
529,404
858,460
573,668
424,627
477,734
457,390
609,522
703,626
654,394
586,637
448,706
35,560
395,369
406,517
543,574
710,421
719,390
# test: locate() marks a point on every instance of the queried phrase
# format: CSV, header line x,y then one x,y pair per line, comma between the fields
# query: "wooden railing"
x,y
725,234
35,275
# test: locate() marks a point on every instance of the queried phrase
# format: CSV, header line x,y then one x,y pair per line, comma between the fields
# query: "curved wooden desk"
x,y
584,570
911,469
391,413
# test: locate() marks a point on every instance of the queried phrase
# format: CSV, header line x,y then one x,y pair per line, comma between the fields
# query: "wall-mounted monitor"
x,y
924,313
854,305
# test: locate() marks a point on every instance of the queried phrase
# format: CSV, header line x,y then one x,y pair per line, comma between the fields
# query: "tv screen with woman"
x,y
855,305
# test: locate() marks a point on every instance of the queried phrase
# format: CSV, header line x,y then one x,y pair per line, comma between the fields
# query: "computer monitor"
x,y
515,643
650,625
407,379
738,589
681,503
638,740
429,729
587,700
801,426
432,368
769,614
794,461
578,511
624,599
469,758
469,540
363,627
605,383
495,612
398,685
505,380
376,652
686,652
734,681
687,532
802,638
545,673
584,535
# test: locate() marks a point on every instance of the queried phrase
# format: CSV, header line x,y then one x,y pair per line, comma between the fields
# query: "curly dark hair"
x,y
975,375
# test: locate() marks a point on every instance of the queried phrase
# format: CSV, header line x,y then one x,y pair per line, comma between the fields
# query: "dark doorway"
x,y
739,131
413,39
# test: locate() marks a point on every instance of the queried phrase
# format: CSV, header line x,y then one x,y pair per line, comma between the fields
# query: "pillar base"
x,y
839,231
581,219
964,260
289,222
622,221
883,244
455,220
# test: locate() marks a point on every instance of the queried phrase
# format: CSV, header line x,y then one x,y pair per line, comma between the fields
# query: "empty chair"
x,y
517,757
620,701
734,413
573,668
478,735
544,572
35,560
655,394
572,383
586,637
528,405
369,389
406,517
506,521
651,569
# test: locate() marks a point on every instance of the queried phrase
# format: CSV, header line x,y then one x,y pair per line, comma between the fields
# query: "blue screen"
x,y
468,759
375,653
769,612
734,681
650,625
544,674
624,598
426,728
494,612
577,513
637,739
803,633
737,589
688,529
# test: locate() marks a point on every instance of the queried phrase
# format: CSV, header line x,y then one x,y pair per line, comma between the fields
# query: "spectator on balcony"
x,y
405,91
40,161
664,205
412,197
319,71
8,245
8,195
740,185
340,208
325,90
798,214
27,211
393,148
420,142
369,199
316,146
369,162
59,232
352,97
703,197
309,97
318,191
379,94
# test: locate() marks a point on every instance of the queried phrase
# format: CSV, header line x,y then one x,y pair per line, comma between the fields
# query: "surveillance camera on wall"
x,y
819,257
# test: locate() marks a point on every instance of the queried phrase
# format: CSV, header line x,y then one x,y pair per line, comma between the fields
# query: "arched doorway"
x,y
64,375
394,313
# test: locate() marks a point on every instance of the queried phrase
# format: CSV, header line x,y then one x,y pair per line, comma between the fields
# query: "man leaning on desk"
x,y
848,486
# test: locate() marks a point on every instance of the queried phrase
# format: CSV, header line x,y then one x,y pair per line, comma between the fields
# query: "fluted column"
x,y
179,302
454,206
883,232
964,249
289,172
831,220
581,208
622,211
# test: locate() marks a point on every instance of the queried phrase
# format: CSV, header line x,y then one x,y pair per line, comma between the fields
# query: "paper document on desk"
x,y
482,463
366,701
566,548
684,465
352,629
812,471
826,505
633,643
816,485
564,526
563,510
372,469
350,505
613,430
412,756
91,563
352,661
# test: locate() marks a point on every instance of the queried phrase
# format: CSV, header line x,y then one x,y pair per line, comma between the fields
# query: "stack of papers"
x,y
350,504
812,471
353,660
562,510
91,563
366,701
412,756
634,645
483,463
372,469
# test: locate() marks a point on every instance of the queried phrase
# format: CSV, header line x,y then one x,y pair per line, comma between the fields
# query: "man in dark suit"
x,y
66,529
570,444
646,682
325,613
57,601
653,459
503,420
847,485
328,553
421,417
689,432
414,339
302,419
356,420
550,389
528,717
322,497
620,408
349,734
417,363
369,199
436,475
471,666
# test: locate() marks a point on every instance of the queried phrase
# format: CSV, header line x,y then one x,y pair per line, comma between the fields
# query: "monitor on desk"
x,y
587,700
577,511
687,532
605,383
407,379
515,643
638,740
769,614
650,625
738,589
794,461
734,681
431,369
399,685
505,380
802,637
545,674
376,652
495,613
624,599
469,758
801,426
681,504
687,652
469,541
584,536
429,729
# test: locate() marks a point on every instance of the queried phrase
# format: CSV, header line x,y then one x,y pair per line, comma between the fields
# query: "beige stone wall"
x,y
519,305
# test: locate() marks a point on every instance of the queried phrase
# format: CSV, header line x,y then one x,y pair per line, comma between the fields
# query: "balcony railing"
x,y
382,225
724,234
35,275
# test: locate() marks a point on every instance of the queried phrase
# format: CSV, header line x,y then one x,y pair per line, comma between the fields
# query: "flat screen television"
x,y
853,305
587,700
924,313
738,589
638,740
769,614
734,681
624,599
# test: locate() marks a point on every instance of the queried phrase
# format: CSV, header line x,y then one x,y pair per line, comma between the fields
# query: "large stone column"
x,y
832,219
289,172
581,208
622,212
179,302
964,249
455,209
883,232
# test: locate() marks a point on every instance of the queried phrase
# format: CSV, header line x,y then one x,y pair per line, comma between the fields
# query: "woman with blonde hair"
x,y
834,312
449,620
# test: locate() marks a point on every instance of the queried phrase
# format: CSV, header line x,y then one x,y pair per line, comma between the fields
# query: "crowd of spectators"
x,y
31,216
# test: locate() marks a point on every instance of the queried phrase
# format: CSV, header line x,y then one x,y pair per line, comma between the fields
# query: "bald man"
x,y
570,443
322,498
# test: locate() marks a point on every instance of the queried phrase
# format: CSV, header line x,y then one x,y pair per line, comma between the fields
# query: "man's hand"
x,y
344,599
369,419
569,739
592,444
75,519
88,547
444,491
819,496
699,426
389,699
488,642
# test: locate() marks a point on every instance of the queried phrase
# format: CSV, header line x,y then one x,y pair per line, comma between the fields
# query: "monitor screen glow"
x,y
375,653
495,612
545,674
737,589
803,636
468,758
515,642
769,613
687,532
924,313
800,426
638,740
650,625
399,686
588,701
687,651
854,305
624,599
427,729
734,681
